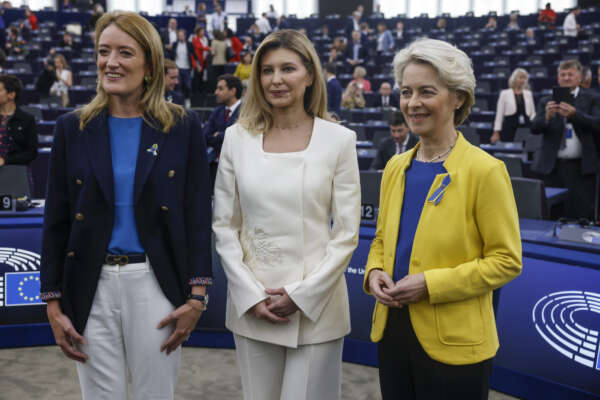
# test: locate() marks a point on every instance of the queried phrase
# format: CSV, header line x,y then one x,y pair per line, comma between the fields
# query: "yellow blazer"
x,y
467,245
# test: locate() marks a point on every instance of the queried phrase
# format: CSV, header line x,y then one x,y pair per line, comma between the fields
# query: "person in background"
x,y
66,41
586,81
334,89
201,15
386,97
201,51
187,11
447,236
568,156
356,53
385,40
171,81
282,23
272,13
353,97
217,21
492,24
218,51
400,140
15,45
31,21
276,196
547,17
441,24
513,22
377,13
515,107
235,44
337,50
243,70
263,24
359,78
169,35
97,13
399,33
323,33
254,33
570,26
64,80
182,51
365,34
354,24
2,60
126,253
18,136
248,45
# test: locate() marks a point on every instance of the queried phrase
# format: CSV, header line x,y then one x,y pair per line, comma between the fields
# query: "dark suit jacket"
x,y
175,97
171,205
22,138
349,53
387,149
216,123
394,100
334,96
164,36
586,123
190,49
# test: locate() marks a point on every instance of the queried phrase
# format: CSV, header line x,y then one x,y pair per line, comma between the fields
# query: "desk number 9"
x,y
5,202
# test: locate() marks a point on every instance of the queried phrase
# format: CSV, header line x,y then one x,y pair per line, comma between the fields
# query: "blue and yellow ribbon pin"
x,y
436,197
153,149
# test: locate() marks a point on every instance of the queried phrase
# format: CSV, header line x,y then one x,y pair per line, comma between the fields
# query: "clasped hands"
x,y
275,310
564,109
408,290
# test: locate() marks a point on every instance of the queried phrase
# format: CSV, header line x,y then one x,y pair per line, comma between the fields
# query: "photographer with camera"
x,y
569,121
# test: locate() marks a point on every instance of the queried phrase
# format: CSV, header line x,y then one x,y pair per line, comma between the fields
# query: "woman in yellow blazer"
x,y
447,236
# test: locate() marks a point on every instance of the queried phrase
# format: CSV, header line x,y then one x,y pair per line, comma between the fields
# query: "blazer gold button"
x,y
79,217
71,254
78,181
164,208
171,173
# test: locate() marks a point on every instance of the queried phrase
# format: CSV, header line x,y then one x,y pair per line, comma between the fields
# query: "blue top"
x,y
418,179
125,134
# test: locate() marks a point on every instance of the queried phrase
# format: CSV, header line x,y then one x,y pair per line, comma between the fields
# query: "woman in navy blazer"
x,y
126,242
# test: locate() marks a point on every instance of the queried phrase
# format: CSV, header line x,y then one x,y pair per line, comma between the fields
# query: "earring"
x,y
147,78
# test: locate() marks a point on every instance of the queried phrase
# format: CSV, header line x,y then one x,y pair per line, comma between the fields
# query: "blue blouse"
x,y
125,135
418,180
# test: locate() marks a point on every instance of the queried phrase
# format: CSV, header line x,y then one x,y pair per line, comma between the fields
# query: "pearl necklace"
x,y
420,155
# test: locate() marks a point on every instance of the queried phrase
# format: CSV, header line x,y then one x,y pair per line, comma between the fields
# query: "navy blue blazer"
x,y
171,205
334,96
174,97
216,123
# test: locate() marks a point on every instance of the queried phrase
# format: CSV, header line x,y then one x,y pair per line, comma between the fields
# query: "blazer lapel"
x,y
151,143
99,153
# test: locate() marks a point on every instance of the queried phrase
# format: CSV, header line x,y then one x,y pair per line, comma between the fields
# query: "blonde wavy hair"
x,y
257,114
454,68
513,78
157,111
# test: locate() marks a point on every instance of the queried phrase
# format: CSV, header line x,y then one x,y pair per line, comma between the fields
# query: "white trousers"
x,y
122,336
273,372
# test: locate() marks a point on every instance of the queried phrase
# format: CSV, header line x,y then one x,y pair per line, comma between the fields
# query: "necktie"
x,y
227,112
385,101
397,148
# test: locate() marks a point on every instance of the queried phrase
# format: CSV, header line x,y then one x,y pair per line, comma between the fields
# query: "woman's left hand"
x,y
185,318
409,290
282,306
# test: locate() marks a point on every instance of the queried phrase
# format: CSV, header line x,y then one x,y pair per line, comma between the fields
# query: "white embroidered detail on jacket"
x,y
259,251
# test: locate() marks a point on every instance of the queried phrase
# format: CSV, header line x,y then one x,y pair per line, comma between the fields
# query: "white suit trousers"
x,y
123,339
273,372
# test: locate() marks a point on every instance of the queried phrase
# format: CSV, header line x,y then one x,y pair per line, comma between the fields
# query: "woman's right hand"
x,y
378,279
261,311
65,334
495,137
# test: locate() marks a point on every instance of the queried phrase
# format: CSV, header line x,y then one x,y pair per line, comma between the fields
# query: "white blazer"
x,y
508,106
272,222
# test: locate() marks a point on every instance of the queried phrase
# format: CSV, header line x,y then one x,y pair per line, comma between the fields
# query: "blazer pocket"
x,y
460,323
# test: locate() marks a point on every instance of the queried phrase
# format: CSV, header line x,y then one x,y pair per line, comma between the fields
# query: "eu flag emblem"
x,y
22,288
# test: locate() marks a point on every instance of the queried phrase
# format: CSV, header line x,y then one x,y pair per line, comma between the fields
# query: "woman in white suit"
x,y
515,107
284,175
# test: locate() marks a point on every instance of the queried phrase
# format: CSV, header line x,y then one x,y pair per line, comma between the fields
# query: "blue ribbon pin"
x,y
153,149
436,197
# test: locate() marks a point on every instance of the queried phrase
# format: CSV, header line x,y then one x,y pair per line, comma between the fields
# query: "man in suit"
x,y
568,156
169,35
356,53
400,140
228,93
172,80
386,97
334,89
353,24
185,57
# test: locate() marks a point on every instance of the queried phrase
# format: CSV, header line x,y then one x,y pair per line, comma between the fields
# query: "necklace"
x,y
439,156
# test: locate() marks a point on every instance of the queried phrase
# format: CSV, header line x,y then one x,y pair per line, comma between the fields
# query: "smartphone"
x,y
562,94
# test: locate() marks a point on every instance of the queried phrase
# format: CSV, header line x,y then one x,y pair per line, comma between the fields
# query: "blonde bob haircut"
x,y
257,114
157,111
453,66
513,78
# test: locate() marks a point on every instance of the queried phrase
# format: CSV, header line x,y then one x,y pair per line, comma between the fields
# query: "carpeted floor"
x,y
43,373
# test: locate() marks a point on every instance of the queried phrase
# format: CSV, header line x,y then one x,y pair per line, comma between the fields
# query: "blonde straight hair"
x,y
157,111
256,115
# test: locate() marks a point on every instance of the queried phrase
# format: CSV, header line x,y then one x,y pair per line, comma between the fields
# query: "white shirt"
x,y
401,148
234,107
182,57
263,25
172,36
217,22
572,148
570,25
